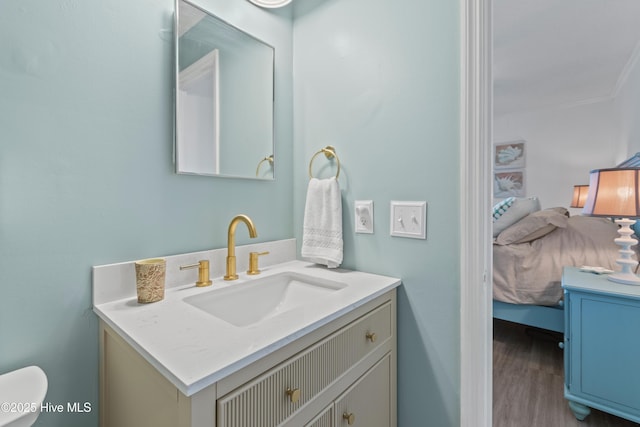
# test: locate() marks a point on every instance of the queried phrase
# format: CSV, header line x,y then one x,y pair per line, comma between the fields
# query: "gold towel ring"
x,y
330,153
266,159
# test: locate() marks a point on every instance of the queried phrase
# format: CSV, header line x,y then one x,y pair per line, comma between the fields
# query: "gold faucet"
x,y
231,244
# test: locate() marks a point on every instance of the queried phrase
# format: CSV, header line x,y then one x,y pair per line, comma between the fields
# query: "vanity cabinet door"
x,y
367,403
323,419
271,398
132,392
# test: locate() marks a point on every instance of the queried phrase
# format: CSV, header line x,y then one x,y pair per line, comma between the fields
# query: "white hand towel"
x,y
322,228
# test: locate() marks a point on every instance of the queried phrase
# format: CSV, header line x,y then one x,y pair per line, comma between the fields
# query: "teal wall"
x,y
86,176
379,80
86,173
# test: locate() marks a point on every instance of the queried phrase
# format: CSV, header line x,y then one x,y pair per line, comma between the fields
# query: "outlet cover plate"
x,y
409,219
364,216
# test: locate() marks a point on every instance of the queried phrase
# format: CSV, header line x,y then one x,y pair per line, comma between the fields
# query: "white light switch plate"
x,y
364,216
409,219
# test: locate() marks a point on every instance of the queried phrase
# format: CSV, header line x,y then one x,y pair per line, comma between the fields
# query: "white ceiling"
x,y
561,52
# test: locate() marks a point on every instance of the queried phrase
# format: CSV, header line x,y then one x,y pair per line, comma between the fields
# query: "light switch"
x,y
364,216
409,219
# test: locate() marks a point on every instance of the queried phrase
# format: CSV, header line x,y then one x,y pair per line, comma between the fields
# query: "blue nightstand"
x,y
602,345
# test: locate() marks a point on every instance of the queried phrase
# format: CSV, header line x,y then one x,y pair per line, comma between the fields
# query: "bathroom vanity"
x,y
331,362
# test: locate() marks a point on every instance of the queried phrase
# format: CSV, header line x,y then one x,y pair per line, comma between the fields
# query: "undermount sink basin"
x,y
22,392
244,304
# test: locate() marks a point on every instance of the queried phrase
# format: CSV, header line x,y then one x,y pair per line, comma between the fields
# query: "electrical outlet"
x,y
364,216
409,219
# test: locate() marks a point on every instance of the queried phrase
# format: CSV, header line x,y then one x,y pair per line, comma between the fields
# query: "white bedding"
x,y
530,273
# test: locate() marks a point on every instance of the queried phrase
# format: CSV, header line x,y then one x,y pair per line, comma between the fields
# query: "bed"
x,y
529,254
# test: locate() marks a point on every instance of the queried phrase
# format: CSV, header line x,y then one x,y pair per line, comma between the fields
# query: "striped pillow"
x,y
501,208
518,209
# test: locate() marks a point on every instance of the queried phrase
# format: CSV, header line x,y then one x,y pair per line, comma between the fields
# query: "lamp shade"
x,y
579,195
613,193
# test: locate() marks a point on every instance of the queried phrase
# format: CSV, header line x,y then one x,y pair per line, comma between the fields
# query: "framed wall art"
x,y
509,155
507,183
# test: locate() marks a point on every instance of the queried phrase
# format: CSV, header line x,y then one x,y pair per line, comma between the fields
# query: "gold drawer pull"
x,y
294,395
371,336
349,417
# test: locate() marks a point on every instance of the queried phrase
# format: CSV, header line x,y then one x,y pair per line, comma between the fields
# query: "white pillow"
x,y
520,208
534,226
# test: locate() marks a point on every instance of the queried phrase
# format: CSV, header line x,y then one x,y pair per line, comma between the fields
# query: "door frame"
x,y
476,355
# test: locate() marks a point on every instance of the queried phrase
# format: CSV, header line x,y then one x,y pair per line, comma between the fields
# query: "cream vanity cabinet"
x,y
343,373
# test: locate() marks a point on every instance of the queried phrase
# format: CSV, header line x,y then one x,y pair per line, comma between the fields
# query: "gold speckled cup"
x,y
150,275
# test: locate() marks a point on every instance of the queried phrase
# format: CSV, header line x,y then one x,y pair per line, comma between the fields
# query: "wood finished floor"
x,y
528,381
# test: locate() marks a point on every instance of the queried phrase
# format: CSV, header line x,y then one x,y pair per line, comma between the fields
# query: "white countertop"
x,y
193,349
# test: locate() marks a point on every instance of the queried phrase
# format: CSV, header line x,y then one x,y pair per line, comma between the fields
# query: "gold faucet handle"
x,y
253,262
203,272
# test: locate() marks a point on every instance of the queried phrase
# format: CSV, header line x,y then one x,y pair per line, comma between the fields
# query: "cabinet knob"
x,y
371,336
350,417
561,345
294,394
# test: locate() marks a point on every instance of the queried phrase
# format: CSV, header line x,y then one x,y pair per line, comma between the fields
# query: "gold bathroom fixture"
x,y
231,243
371,336
253,262
203,272
349,417
266,159
330,153
294,394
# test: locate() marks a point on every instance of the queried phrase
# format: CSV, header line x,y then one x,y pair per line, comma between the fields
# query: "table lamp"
x,y
579,195
615,193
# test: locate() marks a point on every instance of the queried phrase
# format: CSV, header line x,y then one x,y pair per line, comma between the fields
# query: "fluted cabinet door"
x,y
270,399
367,402
324,419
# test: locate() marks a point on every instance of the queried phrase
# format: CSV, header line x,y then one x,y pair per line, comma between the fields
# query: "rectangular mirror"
x,y
224,98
